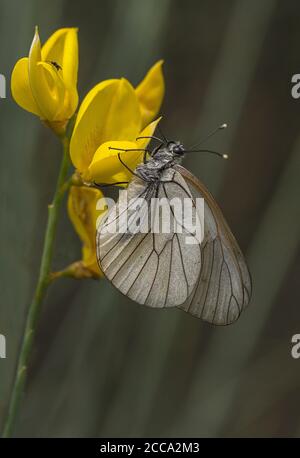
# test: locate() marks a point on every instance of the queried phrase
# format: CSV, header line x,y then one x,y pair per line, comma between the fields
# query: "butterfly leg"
x,y
152,138
127,150
157,148
135,149
106,185
126,166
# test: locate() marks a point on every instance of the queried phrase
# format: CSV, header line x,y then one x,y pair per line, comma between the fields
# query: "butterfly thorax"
x,y
162,158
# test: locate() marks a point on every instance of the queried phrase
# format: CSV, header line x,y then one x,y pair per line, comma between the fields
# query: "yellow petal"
x,y
20,87
150,93
62,48
69,105
89,260
106,166
42,82
110,111
83,214
90,97
55,83
147,132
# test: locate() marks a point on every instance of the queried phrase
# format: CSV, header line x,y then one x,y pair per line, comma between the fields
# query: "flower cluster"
x,y
112,115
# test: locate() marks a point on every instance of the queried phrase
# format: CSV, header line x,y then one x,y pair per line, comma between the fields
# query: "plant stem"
x,y
41,288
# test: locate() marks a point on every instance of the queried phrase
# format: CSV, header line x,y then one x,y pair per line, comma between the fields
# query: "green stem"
x,y
41,288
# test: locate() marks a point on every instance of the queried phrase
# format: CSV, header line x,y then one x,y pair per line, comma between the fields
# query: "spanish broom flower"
x,y
110,119
45,82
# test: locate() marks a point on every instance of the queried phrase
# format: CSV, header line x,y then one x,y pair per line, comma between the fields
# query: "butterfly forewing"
x,y
155,268
223,289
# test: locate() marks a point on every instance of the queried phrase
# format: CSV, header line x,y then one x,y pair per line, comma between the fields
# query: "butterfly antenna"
x,y
221,127
223,156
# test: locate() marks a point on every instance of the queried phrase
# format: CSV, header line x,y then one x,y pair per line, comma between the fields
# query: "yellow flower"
x,y
113,115
150,93
83,214
45,82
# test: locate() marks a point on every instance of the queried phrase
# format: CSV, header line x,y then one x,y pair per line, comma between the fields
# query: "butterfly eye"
x,y
178,149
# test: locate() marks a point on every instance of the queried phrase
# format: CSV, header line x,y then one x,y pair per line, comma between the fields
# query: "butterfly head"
x,y
176,148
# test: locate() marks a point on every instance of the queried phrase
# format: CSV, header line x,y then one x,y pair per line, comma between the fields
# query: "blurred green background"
x,y
102,365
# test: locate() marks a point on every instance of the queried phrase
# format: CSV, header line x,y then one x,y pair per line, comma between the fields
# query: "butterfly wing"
x,y
224,286
157,269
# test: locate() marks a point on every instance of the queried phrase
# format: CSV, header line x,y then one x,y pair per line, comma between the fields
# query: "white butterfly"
x,y
208,278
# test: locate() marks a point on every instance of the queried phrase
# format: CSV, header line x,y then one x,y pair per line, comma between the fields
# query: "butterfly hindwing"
x,y
224,286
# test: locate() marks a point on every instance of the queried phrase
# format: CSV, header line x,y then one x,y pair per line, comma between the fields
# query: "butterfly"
x,y
207,277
